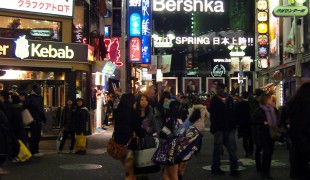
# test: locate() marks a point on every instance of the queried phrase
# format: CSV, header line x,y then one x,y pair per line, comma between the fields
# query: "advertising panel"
x,y
23,48
55,7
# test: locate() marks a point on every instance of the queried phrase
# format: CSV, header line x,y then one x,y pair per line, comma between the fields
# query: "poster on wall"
x,y
234,86
170,84
211,83
191,85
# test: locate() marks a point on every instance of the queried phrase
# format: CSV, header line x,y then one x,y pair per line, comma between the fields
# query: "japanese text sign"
x,y
146,31
55,7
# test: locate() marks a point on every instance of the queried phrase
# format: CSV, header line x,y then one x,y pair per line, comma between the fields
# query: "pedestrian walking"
x,y
201,123
9,146
223,128
68,125
81,116
146,119
244,124
126,126
264,118
34,103
299,133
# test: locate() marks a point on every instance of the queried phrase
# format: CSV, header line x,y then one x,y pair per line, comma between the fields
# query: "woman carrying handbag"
x,y
264,119
126,124
147,145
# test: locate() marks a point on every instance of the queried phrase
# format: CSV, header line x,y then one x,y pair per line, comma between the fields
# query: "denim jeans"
x,y
226,138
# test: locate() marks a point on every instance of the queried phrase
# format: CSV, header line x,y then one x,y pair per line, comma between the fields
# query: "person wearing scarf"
x,y
264,118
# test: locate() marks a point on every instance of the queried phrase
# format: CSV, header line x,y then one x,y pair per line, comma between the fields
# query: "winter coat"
x,y
243,117
205,116
68,119
260,130
34,103
222,115
126,124
299,131
17,120
81,118
9,145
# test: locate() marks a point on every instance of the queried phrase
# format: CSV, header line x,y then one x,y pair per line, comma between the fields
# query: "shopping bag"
x,y
24,154
81,142
144,163
59,139
27,117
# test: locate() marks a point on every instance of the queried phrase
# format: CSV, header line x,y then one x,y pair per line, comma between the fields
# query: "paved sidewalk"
x,y
97,164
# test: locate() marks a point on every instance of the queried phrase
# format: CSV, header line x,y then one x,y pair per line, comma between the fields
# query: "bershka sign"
x,y
43,50
210,6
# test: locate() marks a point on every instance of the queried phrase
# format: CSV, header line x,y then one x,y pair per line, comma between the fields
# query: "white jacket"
x,y
205,115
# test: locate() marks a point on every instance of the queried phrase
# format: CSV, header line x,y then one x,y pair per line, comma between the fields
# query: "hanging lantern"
x,y
262,28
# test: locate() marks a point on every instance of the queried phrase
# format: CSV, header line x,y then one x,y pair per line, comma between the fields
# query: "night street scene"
x,y
154,89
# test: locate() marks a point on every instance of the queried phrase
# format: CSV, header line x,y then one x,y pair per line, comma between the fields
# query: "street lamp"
x,y
237,51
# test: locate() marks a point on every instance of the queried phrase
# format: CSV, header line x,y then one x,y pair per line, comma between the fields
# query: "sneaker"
x,y
218,172
38,155
15,160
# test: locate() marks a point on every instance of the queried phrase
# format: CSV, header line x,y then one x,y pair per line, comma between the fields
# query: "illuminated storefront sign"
x,y
40,33
135,49
290,11
134,30
135,24
146,31
22,48
139,20
218,71
263,30
210,6
114,53
55,7
214,40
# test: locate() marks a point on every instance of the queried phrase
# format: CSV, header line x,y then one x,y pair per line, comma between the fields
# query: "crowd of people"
x,y
143,121
13,126
255,119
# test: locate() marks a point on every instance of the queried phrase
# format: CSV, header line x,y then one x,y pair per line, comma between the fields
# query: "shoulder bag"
x,y
117,151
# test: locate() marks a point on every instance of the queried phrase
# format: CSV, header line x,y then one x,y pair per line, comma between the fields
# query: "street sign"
x,y
290,11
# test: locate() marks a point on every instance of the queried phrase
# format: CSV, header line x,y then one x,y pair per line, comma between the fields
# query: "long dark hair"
x,y
138,105
299,101
126,102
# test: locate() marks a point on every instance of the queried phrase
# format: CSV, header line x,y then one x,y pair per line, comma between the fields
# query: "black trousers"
x,y
35,136
263,155
299,164
65,137
248,144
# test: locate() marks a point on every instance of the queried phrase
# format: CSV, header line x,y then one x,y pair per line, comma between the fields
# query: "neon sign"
x,y
112,46
213,6
146,31
214,40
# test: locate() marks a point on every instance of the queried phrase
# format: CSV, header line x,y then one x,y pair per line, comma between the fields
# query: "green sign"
x,y
290,11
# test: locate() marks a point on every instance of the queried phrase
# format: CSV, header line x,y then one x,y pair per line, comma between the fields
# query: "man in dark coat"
x,y
223,128
34,103
244,124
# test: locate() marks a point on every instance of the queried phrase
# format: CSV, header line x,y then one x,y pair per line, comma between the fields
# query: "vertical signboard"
x,y
134,31
263,32
146,31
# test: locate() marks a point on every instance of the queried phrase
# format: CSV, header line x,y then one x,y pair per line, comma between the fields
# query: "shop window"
x,y
13,27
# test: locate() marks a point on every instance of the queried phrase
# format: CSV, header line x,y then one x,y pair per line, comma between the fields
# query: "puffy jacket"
x,y
34,103
205,116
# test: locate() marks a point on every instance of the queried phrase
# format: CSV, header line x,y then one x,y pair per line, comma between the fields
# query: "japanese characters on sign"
x,y
146,31
134,29
55,7
290,11
214,40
